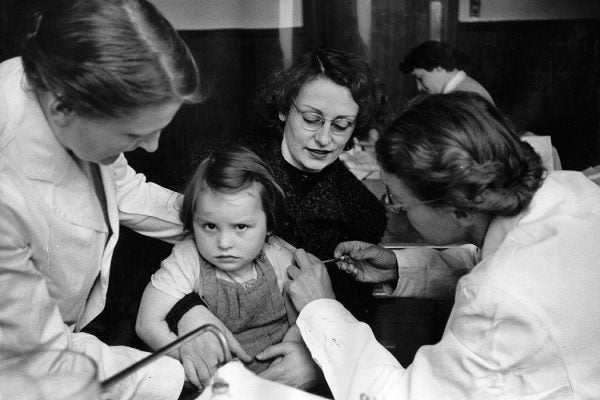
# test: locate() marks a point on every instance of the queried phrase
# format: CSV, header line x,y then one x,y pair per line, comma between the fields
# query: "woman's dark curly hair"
x,y
344,69
457,149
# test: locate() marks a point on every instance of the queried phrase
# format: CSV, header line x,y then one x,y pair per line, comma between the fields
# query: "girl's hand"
x,y
203,355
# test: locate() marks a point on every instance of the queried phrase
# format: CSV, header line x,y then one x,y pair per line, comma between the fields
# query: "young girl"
x,y
232,261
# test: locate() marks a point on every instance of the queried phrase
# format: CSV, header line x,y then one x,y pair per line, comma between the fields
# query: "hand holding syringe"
x,y
366,262
309,280
343,258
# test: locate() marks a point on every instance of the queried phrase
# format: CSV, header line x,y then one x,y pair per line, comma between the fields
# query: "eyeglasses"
x,y
314,122
397,208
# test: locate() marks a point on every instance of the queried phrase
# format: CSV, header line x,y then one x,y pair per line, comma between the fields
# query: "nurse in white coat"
x,y
96,78
525,324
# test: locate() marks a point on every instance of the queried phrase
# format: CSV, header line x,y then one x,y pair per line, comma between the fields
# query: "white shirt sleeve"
x,y
429,273
493,348
179,274
352,360
280,255
146,207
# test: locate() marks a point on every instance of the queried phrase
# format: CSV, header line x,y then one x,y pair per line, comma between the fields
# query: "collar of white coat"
x,y
44,158
454,82
41,157
567,190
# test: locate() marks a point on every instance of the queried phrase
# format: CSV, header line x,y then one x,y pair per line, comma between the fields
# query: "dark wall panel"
x,y
396,26
545,76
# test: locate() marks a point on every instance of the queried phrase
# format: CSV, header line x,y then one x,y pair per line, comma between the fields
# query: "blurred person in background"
x,y
437,68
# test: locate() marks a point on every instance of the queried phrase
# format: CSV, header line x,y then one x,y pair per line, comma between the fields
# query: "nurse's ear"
x,y
463,218
473,224
57,109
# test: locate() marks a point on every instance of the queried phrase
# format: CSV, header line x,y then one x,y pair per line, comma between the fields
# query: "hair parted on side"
x,y
105,58
344,69
430,55
231,170
457,149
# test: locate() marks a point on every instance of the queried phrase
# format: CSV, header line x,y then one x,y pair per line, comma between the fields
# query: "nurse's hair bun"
x,y
457,149
501,193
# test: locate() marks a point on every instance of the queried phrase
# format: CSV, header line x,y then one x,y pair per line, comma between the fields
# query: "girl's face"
x,y
307,146
430,81
230,229
103,140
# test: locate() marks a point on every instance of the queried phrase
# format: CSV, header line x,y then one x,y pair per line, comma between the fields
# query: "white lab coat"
x,y
462,82
525,324
56,246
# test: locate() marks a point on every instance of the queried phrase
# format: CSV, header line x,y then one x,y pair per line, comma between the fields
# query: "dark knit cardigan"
x,y
322,210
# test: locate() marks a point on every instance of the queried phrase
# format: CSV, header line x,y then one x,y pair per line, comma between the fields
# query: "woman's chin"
x,y
108,160
317,164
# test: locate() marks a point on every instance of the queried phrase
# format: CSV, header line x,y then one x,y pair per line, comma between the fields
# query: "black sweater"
x,y
322,210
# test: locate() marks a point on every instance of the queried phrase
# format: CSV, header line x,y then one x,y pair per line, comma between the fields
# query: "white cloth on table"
x,y
244,385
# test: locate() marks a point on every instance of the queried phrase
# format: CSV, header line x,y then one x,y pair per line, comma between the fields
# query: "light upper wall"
x,y
231,14
516,10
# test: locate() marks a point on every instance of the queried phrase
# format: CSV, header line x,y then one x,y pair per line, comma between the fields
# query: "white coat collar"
x,y
557,191
454,82
54,172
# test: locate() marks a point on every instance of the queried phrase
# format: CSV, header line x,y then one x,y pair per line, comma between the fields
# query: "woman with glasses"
x,y
309,114
525,323
313,110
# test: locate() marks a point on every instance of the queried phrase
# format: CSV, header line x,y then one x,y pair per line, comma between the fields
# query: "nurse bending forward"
x,y
96,78
525,322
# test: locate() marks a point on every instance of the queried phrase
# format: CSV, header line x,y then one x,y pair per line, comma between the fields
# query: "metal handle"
x,y
161,352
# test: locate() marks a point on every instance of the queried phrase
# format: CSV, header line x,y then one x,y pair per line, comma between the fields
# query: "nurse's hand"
x,y
309,280
292,365
203,355
368,263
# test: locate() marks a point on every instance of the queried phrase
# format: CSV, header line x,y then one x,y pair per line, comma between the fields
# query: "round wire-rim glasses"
x,y
314,121
397,208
